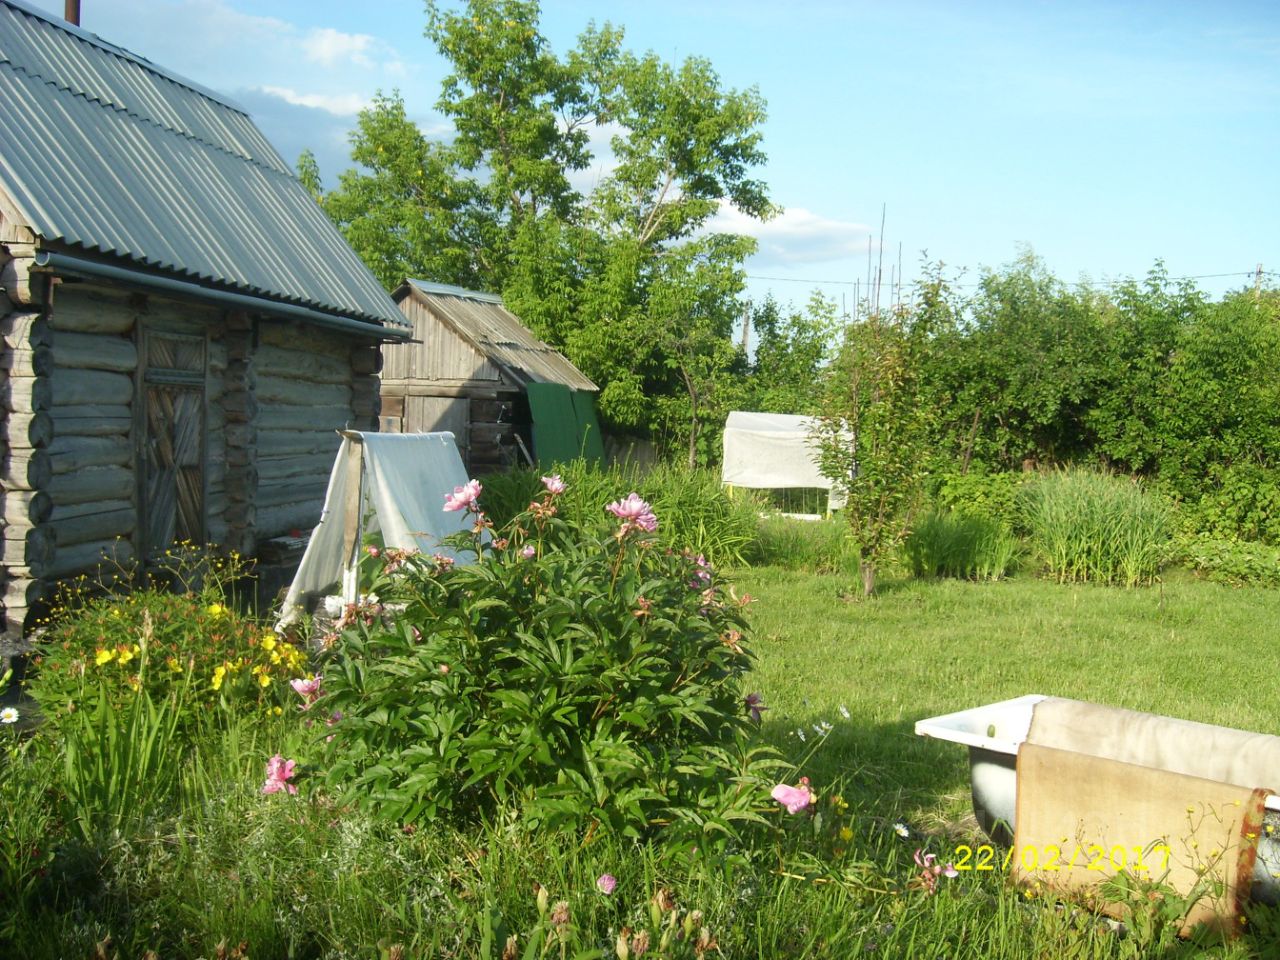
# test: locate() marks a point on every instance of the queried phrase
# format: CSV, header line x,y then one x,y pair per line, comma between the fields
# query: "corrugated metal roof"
x,y
481,319
109,153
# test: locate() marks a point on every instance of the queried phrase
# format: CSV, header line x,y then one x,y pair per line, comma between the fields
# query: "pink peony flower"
x,y
308,690
636,513
555,486
606,883
795,799
528,551
755,703
279,772
463,498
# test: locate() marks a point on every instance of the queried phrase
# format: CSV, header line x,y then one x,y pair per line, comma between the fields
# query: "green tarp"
x,y
564,424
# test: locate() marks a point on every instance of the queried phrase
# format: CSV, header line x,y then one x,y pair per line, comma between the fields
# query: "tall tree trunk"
x,y
693,418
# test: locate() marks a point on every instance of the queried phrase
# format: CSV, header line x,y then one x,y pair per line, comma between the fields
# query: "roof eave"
x,y
65,264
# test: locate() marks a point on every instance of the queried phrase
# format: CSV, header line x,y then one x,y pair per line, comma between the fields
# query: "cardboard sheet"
x,y
1082,819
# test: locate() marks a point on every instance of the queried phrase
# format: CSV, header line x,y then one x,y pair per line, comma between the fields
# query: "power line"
x,y
1249,274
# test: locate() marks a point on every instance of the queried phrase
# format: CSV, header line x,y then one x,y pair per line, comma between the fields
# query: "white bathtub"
x,y
993,734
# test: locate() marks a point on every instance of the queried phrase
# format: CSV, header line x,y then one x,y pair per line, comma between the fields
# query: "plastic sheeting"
x,y
772,451
391,483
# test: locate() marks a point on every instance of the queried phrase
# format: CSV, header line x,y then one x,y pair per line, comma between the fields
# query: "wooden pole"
x,y
880,267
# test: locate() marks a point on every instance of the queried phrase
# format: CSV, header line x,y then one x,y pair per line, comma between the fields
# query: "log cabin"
x,y
182,330
474,369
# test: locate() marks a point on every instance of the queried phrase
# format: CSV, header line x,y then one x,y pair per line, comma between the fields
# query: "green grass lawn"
x,y
1187,649
298,877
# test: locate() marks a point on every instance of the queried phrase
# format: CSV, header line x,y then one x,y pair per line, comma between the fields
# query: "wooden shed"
x,y
474,369
183,330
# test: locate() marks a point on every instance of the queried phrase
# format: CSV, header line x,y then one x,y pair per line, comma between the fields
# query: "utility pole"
x,y
1257,282
746,330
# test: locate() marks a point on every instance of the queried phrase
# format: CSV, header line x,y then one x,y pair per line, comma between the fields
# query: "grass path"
x,y
1188,649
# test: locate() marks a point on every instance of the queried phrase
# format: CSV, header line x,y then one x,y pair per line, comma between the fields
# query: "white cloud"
x,y
329,47
340,104
795,237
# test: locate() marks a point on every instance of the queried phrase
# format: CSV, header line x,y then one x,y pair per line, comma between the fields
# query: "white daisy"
x,y
8,715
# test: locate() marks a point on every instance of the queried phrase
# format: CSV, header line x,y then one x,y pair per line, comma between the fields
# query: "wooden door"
x,y
173,456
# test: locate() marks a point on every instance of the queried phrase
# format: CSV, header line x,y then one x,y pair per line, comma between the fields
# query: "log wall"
x,y
73,422
306,391
26,427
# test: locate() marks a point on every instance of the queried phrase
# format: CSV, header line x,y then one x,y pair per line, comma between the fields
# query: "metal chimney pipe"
x,y
71,12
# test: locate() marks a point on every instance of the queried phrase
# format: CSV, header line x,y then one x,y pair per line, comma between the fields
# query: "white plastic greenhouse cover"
x,y
392,483
772,451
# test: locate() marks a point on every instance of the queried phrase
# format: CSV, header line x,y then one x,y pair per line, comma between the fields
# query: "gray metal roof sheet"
x,y
107,152
498,333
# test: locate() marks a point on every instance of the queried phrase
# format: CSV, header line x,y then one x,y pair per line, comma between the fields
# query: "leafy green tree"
x,y
1028,369
790,353
630,280
874,433
1140,336
404,210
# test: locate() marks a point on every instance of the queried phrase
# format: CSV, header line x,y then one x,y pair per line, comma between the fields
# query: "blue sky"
x,y
1102,135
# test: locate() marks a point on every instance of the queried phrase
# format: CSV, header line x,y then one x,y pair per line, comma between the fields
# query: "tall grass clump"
x,y
808,546
1090,526
953,544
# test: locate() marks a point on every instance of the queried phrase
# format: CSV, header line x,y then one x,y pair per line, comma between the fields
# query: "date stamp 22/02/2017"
x,y
1051,858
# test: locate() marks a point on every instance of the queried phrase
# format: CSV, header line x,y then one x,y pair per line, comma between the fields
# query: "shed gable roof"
x,y
108,153
483,321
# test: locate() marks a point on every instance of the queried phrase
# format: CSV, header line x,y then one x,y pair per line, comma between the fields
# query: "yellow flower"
x,y
219,674
264,680
277,710
133,682
275,656
269,641
217,610
104,656
846,834
173,664
127,653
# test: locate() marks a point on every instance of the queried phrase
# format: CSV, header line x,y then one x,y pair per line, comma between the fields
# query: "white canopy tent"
x,y
774,451
391,483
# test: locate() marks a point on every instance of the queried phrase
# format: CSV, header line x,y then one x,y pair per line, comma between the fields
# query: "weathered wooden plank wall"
x,y
441,356
444,383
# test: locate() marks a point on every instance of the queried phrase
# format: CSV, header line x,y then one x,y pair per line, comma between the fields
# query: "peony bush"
x,y
575,680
